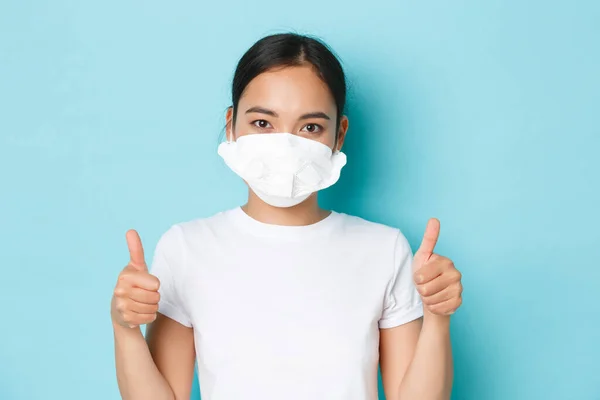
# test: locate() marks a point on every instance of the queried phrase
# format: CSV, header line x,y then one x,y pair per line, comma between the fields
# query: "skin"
x,y
415,358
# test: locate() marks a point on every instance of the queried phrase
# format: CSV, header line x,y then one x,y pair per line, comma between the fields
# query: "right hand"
x,y
135,299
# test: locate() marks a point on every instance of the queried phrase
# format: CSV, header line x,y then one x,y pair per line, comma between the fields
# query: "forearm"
x,y
430,373
137,374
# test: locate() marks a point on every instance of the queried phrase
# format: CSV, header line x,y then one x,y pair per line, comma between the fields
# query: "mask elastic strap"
x,y
335,147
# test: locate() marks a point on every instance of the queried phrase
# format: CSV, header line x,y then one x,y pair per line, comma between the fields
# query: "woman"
x,y
280,299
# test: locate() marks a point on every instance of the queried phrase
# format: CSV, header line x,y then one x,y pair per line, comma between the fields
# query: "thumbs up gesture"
x,y
436,278
135,298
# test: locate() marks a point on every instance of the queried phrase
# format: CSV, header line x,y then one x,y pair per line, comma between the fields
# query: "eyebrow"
x,y
262,110
317,114
266,111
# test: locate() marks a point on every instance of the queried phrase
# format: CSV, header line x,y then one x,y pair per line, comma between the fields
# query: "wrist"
x,y
125,331
434,321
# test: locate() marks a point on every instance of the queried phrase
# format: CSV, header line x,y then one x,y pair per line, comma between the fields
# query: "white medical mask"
x,y
281,168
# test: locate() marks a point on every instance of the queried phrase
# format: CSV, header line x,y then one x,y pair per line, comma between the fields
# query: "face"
x,y
293,100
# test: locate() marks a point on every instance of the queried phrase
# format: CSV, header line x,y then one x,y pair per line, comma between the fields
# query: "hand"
x,y
135,299
437,280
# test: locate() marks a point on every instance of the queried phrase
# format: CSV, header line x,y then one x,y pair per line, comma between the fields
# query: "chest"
x,y
286,303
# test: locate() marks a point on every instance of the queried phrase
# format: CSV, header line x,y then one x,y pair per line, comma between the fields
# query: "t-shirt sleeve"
x,y
168,267
402,302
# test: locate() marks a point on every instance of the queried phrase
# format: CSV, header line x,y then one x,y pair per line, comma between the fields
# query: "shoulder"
x,y
194,229
360,226
373,233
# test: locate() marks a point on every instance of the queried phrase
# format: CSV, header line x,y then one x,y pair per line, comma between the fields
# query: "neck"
x,y
306,213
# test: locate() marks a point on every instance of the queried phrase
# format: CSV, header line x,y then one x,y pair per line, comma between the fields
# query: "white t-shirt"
x,y
286,312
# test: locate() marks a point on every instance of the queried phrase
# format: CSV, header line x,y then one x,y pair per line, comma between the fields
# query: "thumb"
x,y
136,251
430,238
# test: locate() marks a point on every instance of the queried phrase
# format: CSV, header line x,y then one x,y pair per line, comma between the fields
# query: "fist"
x,y
135,298
437,280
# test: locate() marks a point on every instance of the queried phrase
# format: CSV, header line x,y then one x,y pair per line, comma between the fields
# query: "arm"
x,y
172,347
160,368
416,360
416,357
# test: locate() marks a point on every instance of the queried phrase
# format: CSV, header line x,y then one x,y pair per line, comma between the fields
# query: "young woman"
x,y
280,299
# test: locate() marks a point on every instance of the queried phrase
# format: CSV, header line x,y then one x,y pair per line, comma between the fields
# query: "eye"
x,y
313,128
262,124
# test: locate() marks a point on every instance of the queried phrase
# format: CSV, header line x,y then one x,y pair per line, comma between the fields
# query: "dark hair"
x,y
286,50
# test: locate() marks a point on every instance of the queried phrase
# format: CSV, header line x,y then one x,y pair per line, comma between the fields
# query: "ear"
x,y
229,124
342,132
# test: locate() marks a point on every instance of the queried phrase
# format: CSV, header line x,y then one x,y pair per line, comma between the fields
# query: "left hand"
x,y
436,278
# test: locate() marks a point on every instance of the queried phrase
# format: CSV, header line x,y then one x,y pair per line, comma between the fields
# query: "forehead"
x,y
288,89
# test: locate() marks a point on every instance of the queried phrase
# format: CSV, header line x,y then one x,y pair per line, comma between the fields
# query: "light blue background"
x,y
484,114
